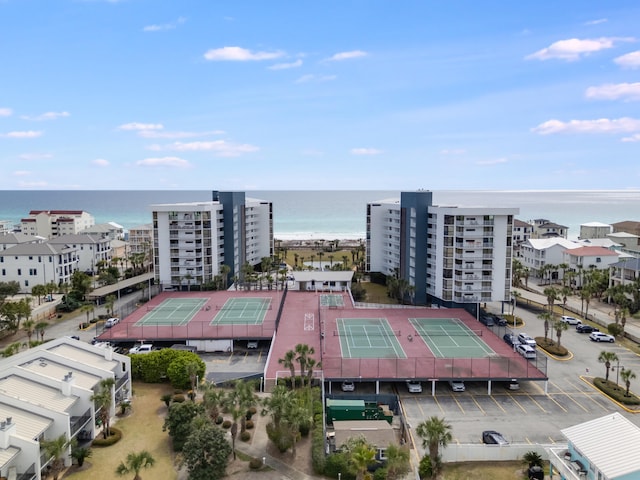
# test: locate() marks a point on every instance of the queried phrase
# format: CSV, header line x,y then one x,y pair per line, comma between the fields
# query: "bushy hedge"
x,y
615,329
552,347
245,436
255,464
249,424
338,463
318,458
115,435
227,424
616,391
157,366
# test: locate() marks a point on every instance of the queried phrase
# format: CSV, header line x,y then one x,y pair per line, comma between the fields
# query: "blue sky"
x,y
332,94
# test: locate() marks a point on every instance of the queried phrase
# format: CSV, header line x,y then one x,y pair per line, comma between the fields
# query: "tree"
x,y
109,302
435,433
546,317
398,461
39,291
103,401
134,463
606,358
178,421
552,294
303,352
55,450
40,328
560,327
88,308
627,375
212,399
206,453
289,361
29,328
532,459
80,454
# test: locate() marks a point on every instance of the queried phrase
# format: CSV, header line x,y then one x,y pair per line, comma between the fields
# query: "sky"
x,y
308,95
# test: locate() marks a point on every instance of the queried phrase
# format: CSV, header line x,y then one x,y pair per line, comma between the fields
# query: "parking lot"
x,y
528,415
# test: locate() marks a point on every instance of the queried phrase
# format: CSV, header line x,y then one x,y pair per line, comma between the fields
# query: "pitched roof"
x,y
610,443
544,243
592,252
630,263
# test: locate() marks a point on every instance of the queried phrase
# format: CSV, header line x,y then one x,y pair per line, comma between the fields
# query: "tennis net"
x,y
263,306
364,333
453,333
183,308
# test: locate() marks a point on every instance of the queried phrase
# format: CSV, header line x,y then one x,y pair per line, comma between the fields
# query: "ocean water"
x,y
330,214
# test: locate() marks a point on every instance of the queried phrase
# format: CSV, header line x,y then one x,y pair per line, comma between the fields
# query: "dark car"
x,y
487,320
501,321
586,329
491,437
510,339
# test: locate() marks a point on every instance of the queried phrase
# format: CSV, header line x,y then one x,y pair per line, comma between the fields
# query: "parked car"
x,y
570,320
144,348
491,437
111,322
487,320
510,339
601,337
348,386
414,386
526,340
252,344
584,328
527,351
456,385
513,384
501,321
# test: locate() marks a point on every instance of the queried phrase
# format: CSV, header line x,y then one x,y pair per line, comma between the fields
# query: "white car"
x,y
111,322
414,386
527,351
601,337
525,339
456,385
570,320
348,386
144,348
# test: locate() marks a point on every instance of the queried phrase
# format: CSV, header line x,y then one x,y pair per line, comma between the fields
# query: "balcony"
x,y
561,463
78,422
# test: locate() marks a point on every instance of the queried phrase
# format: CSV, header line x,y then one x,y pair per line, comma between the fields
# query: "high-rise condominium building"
x,y
449,255
191,241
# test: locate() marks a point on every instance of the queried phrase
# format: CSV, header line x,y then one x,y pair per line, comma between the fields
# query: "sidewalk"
x,y
599,312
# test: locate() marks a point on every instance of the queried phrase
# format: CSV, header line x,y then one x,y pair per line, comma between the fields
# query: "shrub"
x,y
249,424
255,464
253,411
226,424
552,347
425,469
115,435
166,398
281,437
93,321
615,329
245,436
179,398
338,463
616,392
219,419
380,474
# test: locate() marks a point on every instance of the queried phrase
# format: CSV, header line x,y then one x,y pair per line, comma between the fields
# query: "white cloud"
x,y
141,126
22,173
46,116
6,112
239,54
285,66
164,26
453,151
156,134
596,22
629,60
220,148
315,78
35,156
575,48
176,162
347,55
495,161
601,125
632,138
40,184
614,91
27,134
365,151
100,162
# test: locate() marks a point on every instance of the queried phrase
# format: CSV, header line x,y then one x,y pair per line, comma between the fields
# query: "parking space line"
x,y
438,403
496,402
551,440
459,405
517,402
528,441
570,397
536,385
479,407
419,407
564,409
536,402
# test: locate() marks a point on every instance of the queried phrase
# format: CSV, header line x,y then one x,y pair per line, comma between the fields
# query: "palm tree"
x,y
560,327
212,399
546,316
552,295
565,292
40,328
363,456
55,450
435,433
398,461
627,376
606,358
224,273
103,401
109,302
303,351
134,463
29,328
87,308
289,361
532,459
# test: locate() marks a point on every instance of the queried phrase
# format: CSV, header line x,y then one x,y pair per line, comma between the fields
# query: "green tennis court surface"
x,y
331,300
368,338
242,311
450,338
173,311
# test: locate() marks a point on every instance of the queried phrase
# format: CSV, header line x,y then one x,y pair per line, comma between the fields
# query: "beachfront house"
x,y
537,253
587,258
448,255
53,223
603,448
191,241
91,250
594,230
624,272
543,228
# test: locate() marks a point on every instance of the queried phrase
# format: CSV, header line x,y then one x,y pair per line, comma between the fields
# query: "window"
x,y
33,271
19,271
598,260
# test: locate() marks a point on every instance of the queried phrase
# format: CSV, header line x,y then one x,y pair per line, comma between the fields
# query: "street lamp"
x,y
617,369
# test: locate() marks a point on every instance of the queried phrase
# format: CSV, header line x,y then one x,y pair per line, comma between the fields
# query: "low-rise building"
x,y
543,228
537,254
586,258
91,250
594,230
628,226
53,223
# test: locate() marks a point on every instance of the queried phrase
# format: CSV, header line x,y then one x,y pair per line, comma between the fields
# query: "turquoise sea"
x,y
330,214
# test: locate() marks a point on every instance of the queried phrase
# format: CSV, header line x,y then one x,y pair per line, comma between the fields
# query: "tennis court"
x,y
368,338
450,338
172,311
243,311
331,300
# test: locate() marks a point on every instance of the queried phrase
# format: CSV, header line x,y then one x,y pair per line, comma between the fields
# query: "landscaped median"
x,y
630,403
551,347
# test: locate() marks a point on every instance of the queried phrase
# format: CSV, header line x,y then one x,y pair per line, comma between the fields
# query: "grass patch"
x,y
552,347
377,293
616,392
484,470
